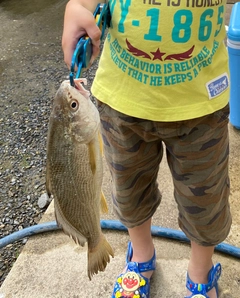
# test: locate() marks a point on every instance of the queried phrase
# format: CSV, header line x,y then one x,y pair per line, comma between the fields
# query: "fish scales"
x,y
74,208
74,171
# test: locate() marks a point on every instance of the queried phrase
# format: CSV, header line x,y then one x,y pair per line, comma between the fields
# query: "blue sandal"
x,y
132,284
201,290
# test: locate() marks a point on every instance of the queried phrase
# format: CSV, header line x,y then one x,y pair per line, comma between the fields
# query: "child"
x,y
163,78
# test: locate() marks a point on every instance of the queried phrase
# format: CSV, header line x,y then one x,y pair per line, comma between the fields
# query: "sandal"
x,y
132,284
201,290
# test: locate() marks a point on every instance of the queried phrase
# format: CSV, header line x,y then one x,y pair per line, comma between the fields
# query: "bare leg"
x,y
142,244
200,264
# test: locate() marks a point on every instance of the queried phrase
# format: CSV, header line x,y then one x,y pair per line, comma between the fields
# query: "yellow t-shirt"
x,y
164,60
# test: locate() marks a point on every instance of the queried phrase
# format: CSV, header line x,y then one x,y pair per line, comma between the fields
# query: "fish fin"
x,y
99,256
68,229
100,142
104,206
92,156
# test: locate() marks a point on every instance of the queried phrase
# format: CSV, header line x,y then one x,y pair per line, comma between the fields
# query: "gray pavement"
x,y
51,265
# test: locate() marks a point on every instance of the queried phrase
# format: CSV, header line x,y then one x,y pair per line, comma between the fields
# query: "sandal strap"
x,y
202,289
144,266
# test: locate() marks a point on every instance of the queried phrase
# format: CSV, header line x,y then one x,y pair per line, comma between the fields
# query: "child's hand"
x,y
78,21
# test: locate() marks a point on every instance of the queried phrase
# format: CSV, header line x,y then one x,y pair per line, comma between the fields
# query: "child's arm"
x,y
79,20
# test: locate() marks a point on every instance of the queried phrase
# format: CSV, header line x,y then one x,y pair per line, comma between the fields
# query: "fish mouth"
x,y
78,84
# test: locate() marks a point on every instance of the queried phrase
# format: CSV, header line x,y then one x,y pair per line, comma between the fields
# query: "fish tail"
x,y
99,256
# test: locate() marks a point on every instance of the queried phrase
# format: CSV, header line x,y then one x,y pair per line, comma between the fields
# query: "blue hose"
x,y
30,231
113,225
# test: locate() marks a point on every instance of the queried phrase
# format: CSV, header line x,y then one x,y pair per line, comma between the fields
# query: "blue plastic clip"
x,y
83,51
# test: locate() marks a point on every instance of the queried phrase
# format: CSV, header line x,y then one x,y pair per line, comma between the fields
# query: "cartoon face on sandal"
x,y
130,281
129,284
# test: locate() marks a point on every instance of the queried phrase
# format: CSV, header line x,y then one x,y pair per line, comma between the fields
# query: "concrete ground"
x,y
51,265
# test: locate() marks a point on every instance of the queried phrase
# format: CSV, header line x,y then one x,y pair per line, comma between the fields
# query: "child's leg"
x,y
133,152
198,160
200,264
142,244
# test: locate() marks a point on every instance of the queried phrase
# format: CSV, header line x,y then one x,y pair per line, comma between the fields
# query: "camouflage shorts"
x,y
197,153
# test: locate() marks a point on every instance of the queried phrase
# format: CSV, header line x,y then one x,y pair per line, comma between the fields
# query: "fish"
x,y
74,171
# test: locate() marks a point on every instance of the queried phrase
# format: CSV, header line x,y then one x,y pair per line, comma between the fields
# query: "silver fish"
x,y
75,171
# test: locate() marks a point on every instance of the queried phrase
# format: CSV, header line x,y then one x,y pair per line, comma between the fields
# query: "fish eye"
x,y
74,105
